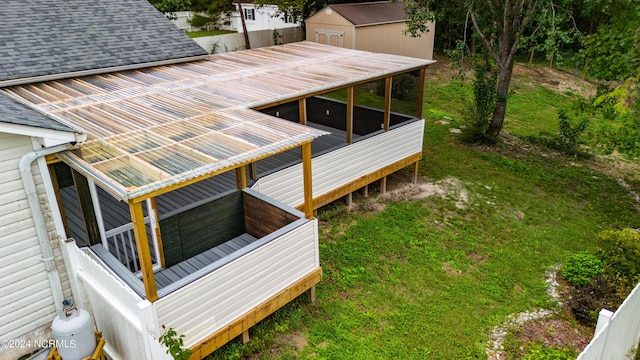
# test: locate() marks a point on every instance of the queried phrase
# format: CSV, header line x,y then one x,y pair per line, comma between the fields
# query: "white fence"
x,y
619,337
232,42
128,323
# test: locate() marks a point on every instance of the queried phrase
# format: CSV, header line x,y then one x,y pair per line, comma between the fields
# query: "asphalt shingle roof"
x,y
361,14
48,37
13,112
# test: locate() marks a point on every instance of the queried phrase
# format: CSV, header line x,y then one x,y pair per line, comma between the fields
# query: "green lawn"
x,y
428,278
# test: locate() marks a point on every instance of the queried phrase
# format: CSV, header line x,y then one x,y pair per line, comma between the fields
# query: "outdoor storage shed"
x,y
375,26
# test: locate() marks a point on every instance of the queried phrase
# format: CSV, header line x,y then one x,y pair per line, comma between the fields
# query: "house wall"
x,y
26,301
267,18
325,26
390,39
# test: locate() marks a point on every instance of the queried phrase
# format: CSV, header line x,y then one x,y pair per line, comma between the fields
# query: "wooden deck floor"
x,y
172,274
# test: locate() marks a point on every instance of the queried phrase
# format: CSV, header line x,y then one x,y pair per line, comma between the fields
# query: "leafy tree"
x,y
500,24
556,31
613,51
210,13
169,7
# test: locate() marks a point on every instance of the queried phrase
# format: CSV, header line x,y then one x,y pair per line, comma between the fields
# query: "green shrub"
x,y
477,114
604,291
620,251
569,131
580,268
540,352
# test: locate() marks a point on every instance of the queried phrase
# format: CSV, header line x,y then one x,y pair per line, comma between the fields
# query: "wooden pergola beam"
x,y
350,102
388,81
144,253
302,111
421,87
241,177
306,175
86,206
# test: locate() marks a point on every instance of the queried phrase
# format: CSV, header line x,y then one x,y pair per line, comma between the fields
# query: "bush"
x,y
620,250
580,268
604,291
477,114
570,131
546,353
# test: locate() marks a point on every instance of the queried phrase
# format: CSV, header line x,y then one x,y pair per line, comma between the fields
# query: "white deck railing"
x,y
210,303
618,339
337,168
121,243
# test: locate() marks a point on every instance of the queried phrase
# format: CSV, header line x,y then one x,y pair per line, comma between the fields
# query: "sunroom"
x,y
193,209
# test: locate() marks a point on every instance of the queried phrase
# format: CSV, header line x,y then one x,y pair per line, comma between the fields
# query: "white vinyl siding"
x,y
212,302
26,303
340,167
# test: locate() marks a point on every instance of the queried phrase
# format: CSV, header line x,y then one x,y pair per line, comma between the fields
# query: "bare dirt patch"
x,y
294,341
556,333
554,79
450,188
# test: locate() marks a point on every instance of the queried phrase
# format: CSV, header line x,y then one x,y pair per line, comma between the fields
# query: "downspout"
x,y
38,219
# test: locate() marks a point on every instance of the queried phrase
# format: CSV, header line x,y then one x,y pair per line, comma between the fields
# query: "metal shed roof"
x,y
372,13
154,128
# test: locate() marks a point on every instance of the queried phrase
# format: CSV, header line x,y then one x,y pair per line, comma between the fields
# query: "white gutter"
x,y
38,219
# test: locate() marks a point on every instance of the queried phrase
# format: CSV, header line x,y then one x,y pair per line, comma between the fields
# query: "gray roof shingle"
x,y
48,37
14,112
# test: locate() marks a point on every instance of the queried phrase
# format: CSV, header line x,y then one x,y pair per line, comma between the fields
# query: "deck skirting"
x,y
360,182
247,320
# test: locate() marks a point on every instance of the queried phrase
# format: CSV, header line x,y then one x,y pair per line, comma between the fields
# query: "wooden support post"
x,y
306,174
383,185
56,189
421,86
302,111
415,172
241,177
245,336
312,294
349,201
349,126
144,254
253,171
154,209
366,190
387,102
86,205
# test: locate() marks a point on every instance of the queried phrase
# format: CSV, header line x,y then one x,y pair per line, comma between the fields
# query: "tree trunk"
x,y
244,26
504,77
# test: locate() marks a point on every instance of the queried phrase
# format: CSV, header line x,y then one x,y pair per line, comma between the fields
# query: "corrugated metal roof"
x,y
47,37
362,14
157,127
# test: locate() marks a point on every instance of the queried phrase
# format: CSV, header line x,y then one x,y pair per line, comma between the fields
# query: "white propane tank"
x,y
73,334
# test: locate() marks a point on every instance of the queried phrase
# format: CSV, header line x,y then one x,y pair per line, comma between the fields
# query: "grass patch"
x,y
196,34
429,278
